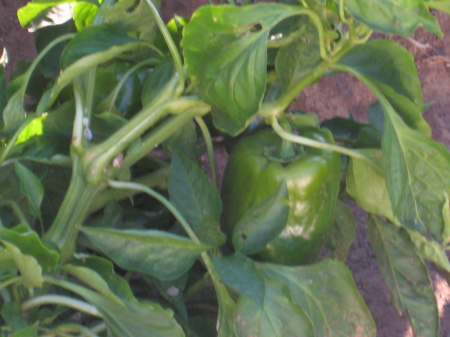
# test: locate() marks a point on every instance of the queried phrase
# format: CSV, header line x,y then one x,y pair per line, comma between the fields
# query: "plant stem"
x,y
60,300
319,145
172,46
151,180
209,148
10,282
73,211
161,133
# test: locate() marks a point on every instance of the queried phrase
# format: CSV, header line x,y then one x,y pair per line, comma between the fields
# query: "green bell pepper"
x,y
255,169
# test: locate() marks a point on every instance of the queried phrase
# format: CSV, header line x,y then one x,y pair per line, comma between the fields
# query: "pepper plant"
x,y
109,225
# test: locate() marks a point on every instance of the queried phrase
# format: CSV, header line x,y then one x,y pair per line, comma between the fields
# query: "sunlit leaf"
x,y
225,54
399,17
406,276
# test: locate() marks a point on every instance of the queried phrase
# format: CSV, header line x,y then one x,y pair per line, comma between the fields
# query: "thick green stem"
x,y
73,211
156,137
60,300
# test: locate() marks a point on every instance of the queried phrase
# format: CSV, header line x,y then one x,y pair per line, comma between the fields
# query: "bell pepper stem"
x,y
319,145
286,148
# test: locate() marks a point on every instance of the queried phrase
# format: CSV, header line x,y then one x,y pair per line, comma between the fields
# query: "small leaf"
x,y
29,331
262,222
196,199
160,254
28,243
98,273
31,187
34,8
238,273
406,276
343,234
296,60
398,17
225,54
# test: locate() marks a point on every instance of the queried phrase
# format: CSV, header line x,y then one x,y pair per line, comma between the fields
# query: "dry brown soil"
x,y
332,96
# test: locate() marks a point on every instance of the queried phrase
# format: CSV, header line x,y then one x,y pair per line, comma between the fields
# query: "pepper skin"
x,y
312,176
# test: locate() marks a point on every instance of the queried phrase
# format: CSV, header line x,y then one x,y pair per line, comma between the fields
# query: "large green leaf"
x,y
418,177
196,199
406,276
279,317
262,222
399,17
390,66
31,188
160,254
441,5
417,170
226,57
327,294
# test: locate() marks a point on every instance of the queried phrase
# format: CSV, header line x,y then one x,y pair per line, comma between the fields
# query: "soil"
x,y
331,96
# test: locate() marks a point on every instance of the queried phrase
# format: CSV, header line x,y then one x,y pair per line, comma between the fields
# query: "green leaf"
x,y
225,55
417,172
34,8
343,233
196,199
156,81
406,276
93,40
329,297
31,187
84,13
30,331
391,68
262,222
160,254
301,56
418,177
145,319
13,317
151,320
238,273
367,185
98,273
280,316
431,250
399,17
441,5
26,243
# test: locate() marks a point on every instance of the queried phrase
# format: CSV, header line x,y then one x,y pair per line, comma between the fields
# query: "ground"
x,y
332,96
